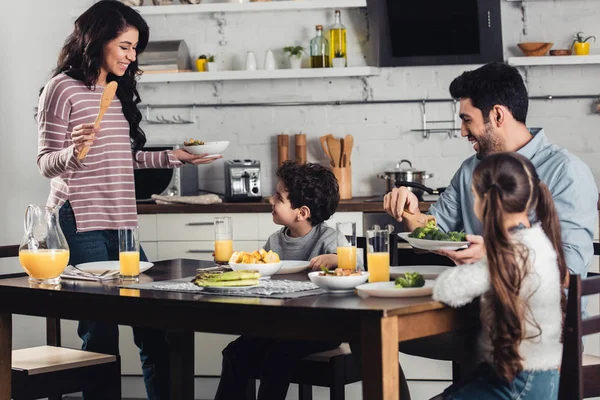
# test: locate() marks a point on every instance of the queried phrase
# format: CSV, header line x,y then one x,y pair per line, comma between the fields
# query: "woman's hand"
x,y
83,135
196,159
470,255
326,260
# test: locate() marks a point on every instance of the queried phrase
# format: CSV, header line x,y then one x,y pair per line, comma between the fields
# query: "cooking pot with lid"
x,y
412,178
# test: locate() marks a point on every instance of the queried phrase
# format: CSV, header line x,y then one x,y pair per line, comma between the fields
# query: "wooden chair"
x,y
579,373
334,368
51,371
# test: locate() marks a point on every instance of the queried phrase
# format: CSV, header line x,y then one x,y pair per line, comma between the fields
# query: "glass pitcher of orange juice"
x,y
44,252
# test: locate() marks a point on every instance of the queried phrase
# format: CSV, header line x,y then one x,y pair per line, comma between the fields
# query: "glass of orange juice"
x,y
378,255
223,239
129,253
346,246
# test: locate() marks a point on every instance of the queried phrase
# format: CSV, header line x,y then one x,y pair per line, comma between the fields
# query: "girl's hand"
x,y
83,135
186,157
470,255
326,260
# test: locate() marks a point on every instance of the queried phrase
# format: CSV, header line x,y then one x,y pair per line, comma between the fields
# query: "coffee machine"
x,y
242,180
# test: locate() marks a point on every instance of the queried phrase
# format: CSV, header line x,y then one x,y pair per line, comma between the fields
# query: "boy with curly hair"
x,y
305,197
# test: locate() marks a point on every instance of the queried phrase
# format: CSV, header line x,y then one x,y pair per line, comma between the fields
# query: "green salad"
x,y
410,280
431,232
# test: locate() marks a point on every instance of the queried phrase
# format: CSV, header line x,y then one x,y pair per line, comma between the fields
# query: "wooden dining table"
x,y
378,324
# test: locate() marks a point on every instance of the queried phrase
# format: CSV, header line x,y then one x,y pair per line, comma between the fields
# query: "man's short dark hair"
x,y
313,186
493,84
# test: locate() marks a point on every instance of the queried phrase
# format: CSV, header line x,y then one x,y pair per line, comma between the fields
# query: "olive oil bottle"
x,y
337,42
319,50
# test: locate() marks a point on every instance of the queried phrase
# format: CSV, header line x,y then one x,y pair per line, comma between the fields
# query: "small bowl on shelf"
x,y
535,49
561,52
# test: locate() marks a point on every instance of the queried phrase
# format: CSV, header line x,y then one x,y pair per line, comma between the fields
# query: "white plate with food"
x,y
389,289
212,149
292,266
428,271
265,270
99,267
432,245
338,283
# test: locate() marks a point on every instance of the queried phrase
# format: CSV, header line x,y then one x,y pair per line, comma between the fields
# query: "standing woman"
x,y
96,195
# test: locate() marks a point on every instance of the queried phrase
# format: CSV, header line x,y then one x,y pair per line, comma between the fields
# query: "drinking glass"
x,y
223,239
129,253
378,255
346,246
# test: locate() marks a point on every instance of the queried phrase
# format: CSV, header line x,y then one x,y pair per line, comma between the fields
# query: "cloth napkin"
x,y
73,273
201,199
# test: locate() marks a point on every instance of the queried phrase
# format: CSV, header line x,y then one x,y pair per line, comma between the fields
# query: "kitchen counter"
x,y
357,204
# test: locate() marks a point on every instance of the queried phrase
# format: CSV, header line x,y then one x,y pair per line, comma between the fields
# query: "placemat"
x,y
268,288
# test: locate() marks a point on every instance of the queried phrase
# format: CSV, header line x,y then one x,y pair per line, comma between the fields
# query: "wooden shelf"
x,y
302,73
554,60
289,5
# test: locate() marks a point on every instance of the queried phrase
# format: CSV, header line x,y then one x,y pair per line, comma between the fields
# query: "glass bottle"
x,y
319,50
337,40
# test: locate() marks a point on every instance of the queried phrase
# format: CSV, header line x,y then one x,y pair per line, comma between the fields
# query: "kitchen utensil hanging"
x,y
452,132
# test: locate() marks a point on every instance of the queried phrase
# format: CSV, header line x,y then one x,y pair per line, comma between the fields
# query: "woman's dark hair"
x,y
507,183
490,85
313,186
81,56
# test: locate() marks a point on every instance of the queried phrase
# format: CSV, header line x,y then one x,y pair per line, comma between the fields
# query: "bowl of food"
x,y
213,149
430,237
535,48
267,263
338,280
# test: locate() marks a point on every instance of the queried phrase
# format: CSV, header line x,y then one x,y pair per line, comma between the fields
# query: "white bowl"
x,y
266,270
338,284
211,148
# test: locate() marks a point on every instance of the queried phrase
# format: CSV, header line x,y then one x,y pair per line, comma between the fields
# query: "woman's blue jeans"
x,y
484,384
103,337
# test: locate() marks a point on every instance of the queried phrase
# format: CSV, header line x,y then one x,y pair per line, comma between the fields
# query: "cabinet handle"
x,y
200,223
201,251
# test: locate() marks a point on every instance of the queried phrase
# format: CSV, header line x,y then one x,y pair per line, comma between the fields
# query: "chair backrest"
x,y
52,324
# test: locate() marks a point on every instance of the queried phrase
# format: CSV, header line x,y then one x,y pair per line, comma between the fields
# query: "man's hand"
x,y
326,260
196,159
473,253
399,199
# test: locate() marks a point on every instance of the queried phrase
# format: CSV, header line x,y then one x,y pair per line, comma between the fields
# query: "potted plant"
x,y
581,44
211,64
295,55
339,61
201,63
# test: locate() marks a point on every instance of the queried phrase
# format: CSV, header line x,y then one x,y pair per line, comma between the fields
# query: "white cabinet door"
x,y
199,250
151,250
148,227
191,227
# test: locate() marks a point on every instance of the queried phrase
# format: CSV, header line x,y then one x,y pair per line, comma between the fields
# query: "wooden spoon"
x,y
348,144
323,140
107,97
335,148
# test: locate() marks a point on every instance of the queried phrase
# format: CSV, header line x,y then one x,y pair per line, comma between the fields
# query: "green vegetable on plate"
x,y
410,280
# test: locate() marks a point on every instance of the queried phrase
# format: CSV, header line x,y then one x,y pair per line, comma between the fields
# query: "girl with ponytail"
x,y
520,283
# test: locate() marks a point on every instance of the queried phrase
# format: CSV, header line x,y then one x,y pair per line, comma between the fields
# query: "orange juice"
x,y
44,263
223,250
346,256
129,292
379,267
129,263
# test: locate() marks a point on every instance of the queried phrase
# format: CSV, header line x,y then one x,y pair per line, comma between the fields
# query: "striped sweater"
x,y
100,187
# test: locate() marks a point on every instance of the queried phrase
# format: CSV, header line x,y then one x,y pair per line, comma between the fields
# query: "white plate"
x,y
266,270
213,149
388,289
226,288
100,266
338,284
426,244
292,266
428,271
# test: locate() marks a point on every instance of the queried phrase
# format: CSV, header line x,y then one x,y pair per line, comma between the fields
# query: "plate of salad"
x,y
411,284
430,237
